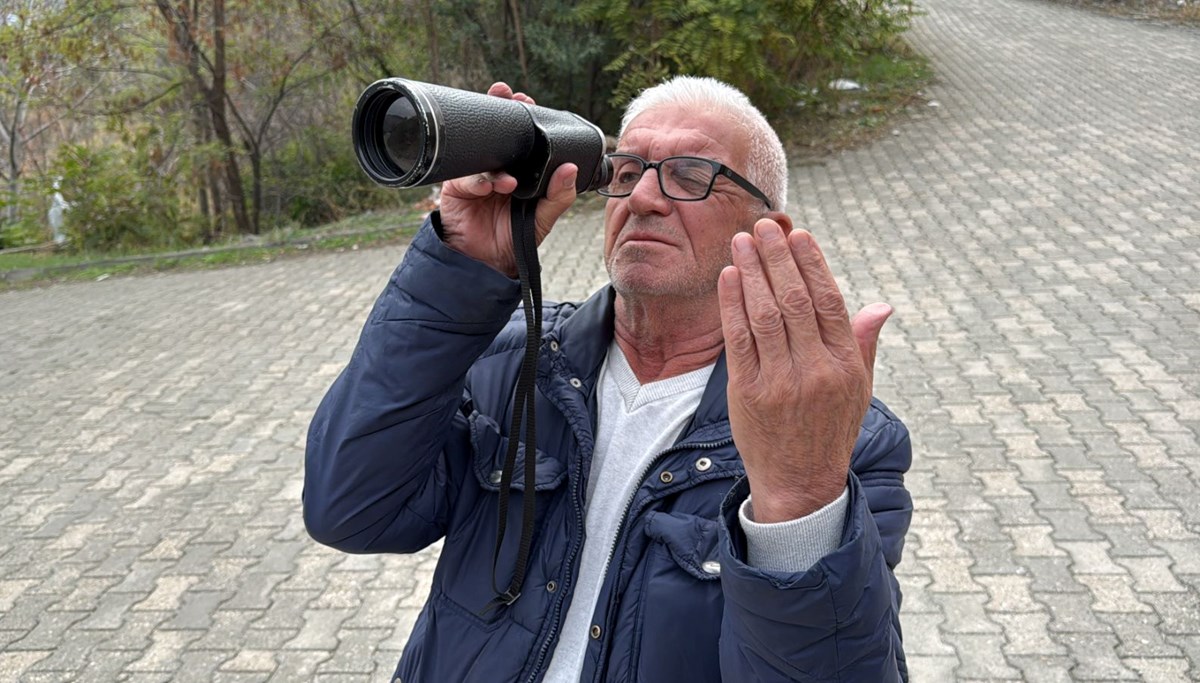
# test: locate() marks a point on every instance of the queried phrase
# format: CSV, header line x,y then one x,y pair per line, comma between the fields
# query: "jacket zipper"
x,y
568,579
708,445
542,652
642,480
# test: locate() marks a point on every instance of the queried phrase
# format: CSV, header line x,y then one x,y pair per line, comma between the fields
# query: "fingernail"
x,y
769,232
743,243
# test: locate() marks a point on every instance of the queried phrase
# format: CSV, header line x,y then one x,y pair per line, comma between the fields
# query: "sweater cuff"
x,y
795,545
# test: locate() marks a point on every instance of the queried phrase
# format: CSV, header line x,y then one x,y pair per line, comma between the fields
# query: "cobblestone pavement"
x,y
1038,233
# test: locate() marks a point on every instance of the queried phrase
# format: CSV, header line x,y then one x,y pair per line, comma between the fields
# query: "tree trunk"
x,y
516,15
213,96
255,155
434,58
216,105
14,159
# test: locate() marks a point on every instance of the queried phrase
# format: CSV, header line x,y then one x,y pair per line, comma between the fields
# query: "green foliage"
x,y
119,202
315,179
564,54
30,226
773,50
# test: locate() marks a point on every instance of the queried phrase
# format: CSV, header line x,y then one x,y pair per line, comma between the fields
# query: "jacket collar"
x,y
585,336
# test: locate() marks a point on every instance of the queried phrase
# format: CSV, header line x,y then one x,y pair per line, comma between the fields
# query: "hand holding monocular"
x,y
409,133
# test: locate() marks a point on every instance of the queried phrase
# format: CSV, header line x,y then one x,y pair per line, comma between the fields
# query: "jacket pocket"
x,y
690,540
465,568
678,615
491,448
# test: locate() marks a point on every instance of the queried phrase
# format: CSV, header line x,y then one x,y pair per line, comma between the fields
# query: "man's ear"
x,y
784,220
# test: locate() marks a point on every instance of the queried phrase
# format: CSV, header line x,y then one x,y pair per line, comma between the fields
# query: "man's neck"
x,y
666,338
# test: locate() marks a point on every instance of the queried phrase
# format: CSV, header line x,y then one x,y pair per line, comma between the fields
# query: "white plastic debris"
x,y
844,84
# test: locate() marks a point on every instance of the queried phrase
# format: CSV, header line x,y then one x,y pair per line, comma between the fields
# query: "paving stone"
x,y
1095,658
1112,593
922,635
1139,635
320,630
1185,555
932,668
1128,540
965,614
1166,670
1027,634
1034,541
1091,558
1047,668
982,659
1151,574
1180,612
1071,613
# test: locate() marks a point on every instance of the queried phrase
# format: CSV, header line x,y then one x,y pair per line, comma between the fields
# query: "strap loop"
x,y
524,242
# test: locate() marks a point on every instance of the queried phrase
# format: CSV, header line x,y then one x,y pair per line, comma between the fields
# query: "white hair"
x,y
766,164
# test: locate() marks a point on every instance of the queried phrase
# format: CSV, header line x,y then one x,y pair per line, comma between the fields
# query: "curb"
x,y
25,274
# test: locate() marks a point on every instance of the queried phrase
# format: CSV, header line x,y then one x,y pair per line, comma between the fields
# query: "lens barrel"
x,y
409,133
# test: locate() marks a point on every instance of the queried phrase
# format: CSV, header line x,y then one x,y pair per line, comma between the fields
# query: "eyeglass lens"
x,y
678,177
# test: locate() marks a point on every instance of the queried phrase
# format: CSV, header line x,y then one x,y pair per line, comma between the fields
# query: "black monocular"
x,y
408,133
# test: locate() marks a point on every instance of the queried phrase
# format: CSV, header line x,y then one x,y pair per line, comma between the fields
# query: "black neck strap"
x,y
524,241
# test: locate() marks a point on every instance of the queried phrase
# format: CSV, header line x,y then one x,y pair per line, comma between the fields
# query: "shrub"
x,y
773,50
119,201
315,178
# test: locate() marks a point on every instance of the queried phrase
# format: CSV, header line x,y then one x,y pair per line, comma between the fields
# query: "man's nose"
x,y
647,196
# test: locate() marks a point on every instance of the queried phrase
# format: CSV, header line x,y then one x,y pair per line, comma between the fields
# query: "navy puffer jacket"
x,y
403,450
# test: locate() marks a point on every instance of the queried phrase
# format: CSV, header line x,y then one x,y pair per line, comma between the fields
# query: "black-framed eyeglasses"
x,y
684,179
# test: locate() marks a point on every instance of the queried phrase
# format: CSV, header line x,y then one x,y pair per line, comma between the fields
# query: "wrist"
x,y
773,504
456,240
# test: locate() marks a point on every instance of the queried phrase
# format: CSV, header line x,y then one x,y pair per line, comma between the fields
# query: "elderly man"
x,y
718,495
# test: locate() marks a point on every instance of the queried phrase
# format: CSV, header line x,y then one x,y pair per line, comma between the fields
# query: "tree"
x,y
42,50
208,76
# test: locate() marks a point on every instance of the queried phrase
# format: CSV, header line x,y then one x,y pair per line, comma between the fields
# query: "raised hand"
x,y
476,214
800,371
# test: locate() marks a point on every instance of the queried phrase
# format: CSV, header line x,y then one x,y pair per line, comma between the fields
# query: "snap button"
x,y
595,632
553,345
576,383
551,586
712,567
666,477
495,476
703,464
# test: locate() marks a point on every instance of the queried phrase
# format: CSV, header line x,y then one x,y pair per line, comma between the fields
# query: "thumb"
x,y
867,324
560,194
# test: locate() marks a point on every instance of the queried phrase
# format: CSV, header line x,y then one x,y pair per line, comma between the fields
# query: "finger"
x,y
867,324
522,97
560,194
500,89
741,356
480,185
828,304
790,291
766,322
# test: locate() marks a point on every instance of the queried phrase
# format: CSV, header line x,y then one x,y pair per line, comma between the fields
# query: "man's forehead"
x,y
671,131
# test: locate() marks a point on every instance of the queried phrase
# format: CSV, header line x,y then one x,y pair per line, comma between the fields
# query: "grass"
x,y
832,120
23,269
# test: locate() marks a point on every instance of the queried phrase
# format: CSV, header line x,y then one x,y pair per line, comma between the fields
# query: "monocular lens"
x,y
402,134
